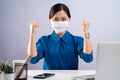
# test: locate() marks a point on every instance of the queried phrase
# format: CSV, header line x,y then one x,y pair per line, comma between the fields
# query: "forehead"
x,y
60,14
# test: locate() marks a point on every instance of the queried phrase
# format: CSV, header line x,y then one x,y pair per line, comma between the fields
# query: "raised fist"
x,y
34,27
85,26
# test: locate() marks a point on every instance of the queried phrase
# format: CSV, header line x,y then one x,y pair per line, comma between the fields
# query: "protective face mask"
x,y
60,26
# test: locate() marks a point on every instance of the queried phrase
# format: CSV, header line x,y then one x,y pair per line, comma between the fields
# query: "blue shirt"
x,y
60,53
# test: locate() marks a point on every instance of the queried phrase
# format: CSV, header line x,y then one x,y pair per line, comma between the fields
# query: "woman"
x,y
60,49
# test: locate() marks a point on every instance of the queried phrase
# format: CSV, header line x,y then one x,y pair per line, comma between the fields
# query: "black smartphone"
x,y
44,75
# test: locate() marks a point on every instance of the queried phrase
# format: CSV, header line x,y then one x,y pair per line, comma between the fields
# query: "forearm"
x,y
87,43
32,45
87,46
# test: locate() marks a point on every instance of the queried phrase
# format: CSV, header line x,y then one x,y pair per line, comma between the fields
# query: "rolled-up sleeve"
x,y
39,56
86,57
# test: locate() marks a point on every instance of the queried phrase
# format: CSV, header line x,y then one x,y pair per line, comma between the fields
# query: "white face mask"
x,y
60,26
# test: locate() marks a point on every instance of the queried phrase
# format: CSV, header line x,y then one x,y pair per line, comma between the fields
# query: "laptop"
x,y
107,63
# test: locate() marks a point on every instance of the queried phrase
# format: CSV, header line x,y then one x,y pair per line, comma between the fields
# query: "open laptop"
x,y
107,63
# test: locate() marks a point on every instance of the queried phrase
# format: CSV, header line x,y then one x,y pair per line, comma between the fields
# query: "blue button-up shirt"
x,y
60,52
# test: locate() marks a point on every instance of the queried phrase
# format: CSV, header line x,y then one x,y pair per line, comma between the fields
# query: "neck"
x,y
60,34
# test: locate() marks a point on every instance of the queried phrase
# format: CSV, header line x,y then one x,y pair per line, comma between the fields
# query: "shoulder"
x,y
44,38
77,38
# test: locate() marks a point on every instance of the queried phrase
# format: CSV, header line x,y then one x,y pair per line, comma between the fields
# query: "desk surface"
x,y
59,74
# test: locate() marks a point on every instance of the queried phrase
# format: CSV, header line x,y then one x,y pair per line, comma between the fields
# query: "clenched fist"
x,y
85,26
34,27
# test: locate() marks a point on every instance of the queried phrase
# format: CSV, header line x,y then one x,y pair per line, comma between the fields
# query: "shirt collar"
x,y
66,37
55,37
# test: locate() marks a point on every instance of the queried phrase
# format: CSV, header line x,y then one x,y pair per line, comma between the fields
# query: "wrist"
x,y
32,36
32,33
87,35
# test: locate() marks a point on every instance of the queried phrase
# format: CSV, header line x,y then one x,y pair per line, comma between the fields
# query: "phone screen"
x,y
44,75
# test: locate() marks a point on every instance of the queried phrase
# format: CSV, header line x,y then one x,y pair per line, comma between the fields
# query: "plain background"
x,y
15,15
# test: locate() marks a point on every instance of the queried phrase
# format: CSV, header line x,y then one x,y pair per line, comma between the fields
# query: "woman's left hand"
x,y
85,26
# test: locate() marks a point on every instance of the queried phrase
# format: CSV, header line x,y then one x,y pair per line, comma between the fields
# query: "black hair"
x,y
58,7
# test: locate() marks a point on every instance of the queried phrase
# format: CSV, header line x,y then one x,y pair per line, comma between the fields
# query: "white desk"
x,y
59,74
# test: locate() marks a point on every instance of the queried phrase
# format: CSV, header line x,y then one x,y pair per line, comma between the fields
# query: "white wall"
x,y
104,16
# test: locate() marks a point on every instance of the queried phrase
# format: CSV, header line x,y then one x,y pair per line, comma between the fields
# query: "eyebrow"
x,y
62,17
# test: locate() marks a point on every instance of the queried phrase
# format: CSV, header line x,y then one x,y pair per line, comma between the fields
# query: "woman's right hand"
x,y
32,42
34,27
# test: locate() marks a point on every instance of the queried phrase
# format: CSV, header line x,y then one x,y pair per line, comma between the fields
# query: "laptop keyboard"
x,y
90,78
86,77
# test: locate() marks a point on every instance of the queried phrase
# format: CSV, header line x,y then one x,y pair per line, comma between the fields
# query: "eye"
x,y
56,19
64,19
